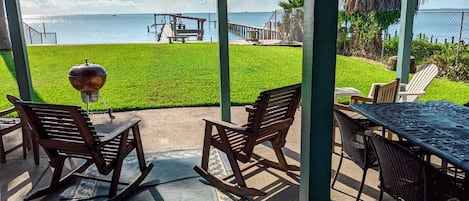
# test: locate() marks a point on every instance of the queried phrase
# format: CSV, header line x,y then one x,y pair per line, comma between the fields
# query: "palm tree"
x,y
369,18
291,27
353,6
5,43
291,4
367,6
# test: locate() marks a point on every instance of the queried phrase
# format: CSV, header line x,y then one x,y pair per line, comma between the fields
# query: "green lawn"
x,y
173,75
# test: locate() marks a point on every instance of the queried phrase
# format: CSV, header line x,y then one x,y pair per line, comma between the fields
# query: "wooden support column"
x,y
405,39
319,61
15,24
225,102
202,29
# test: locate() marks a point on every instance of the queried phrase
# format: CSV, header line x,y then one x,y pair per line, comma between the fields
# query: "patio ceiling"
x,y
319,60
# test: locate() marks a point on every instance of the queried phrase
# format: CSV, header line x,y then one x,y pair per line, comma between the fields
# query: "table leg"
x,y
36,152
25,143
333,139
2,151
334,143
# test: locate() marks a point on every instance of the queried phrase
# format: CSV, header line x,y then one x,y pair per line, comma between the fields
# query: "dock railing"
x,y
253,33
284,25
33,36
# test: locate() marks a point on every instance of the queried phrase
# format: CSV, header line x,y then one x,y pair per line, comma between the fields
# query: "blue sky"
x,y
61,7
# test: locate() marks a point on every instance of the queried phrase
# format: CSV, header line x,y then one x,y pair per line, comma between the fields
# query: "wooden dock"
x,y
166,31
178,28
173,27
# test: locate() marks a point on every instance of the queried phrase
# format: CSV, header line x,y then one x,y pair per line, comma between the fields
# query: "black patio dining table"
x,y
439,127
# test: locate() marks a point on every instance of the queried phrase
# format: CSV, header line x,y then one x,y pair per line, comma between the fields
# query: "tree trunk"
x,y
362,47
5,43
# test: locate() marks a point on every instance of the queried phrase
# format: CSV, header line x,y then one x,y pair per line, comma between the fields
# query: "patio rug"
x,y
172,178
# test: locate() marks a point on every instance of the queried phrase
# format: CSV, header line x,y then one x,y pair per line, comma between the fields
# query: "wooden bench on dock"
x,y
253,36
176,38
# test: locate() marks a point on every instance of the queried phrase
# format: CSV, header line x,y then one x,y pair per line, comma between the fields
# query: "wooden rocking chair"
x,y
269,119
66,131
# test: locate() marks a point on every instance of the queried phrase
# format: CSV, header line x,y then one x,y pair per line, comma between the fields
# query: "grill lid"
x,y
87,77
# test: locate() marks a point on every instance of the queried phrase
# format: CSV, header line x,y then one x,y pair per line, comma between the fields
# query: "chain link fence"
x,y
442,27
288,24
438,27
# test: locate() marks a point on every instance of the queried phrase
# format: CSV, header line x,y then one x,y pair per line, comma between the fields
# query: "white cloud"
x,y
59,7
78,3
445,4
188,6
208,2
253,5
170,6
63,7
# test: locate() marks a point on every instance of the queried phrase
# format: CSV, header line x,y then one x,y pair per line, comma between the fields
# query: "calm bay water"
x,y
129,28
132,28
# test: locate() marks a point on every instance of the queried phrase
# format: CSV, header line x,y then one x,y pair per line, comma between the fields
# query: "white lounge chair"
x,y
417,86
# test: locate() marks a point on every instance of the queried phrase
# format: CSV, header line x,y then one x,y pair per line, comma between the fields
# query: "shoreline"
x,y
236,42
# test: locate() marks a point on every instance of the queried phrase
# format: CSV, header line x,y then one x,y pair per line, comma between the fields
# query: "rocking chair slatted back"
x,y
386,93
67,132
269,119
64,130
272,112
273,107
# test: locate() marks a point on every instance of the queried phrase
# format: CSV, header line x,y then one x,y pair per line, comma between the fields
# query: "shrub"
x,y
367,31
390,47
446,60
422,50
443,55
343,41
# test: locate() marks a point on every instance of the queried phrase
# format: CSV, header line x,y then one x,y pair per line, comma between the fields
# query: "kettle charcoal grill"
x,y
88,78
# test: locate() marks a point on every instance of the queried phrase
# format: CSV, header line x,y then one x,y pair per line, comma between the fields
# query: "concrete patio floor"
x,y
183,128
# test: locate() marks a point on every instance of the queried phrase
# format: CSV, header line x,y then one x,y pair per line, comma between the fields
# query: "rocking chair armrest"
x,y
120,130
340,106
405,93
383,83
226,125
358,99
7,111
249,108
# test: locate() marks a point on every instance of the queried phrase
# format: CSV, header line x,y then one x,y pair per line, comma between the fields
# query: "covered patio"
x,y
311,135
164,130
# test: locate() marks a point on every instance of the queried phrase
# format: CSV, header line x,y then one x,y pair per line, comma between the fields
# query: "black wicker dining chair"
x,y
405,176
385,93
354,146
